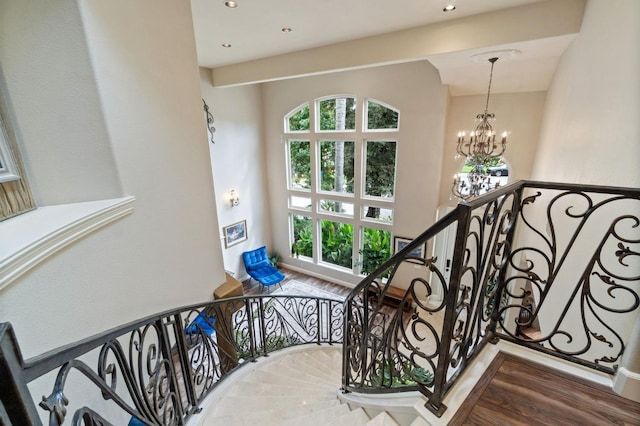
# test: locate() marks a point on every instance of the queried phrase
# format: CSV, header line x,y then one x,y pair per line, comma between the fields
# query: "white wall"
x,y
238,162
413,88
53,95
116,89
591,125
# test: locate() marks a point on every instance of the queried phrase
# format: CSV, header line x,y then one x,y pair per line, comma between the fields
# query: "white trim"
x,y
318,275
30,238
627,384
8,169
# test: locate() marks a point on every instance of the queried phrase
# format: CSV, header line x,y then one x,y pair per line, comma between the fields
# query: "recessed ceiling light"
x,y
226,45
231,4
449,8
286,30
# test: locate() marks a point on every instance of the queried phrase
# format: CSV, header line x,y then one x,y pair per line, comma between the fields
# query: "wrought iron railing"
x,y
555,268
158,369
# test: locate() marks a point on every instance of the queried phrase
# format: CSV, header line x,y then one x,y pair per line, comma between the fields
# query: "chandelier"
x,y
480,151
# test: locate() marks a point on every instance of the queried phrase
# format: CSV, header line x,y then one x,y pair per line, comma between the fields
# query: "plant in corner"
x,y
406,374
274,258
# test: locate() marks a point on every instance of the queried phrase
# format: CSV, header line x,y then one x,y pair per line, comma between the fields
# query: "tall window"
x,y
341,169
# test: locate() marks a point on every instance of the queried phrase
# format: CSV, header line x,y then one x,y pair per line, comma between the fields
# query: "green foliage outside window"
x,y
381,117
300,120
337,243
336,170
337,240
328,166
482,163
376,249
300,158
380,169
329,117
302,236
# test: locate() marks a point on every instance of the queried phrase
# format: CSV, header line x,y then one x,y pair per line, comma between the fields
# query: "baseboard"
x,y
627,384
317,275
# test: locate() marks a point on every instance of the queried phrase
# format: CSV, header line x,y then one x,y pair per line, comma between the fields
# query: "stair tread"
x,y
318,417
261,388
383,419
322,356
357,417
235,403
291,371
266,417
270,377
419,421
310,370
297,388
329,368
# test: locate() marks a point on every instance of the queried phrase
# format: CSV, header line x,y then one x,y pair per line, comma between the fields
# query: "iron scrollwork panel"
x,y
138,377
389,349
486,255
593,236
160,371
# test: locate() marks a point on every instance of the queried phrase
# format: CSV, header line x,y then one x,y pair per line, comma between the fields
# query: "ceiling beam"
x,y
534,21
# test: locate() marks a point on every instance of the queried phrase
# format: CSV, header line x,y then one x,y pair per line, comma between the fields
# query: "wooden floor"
x,y
514,391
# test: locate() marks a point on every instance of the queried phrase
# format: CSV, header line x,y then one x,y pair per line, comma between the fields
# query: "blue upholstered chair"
x,y
257,264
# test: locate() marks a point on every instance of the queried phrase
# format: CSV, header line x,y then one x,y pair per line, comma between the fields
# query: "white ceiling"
x,y
254,30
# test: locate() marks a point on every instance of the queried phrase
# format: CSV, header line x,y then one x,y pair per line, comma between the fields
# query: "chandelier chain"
x,y
486,106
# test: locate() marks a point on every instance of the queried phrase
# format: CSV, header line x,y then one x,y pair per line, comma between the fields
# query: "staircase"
x,y
298,387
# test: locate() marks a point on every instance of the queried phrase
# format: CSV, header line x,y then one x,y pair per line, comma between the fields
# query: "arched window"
x,y
341,168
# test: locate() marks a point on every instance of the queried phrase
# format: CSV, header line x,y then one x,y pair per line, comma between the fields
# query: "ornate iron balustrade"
x,y
563,260
159,369
555,268
586,254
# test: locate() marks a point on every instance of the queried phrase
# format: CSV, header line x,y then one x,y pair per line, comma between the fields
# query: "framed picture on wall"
x,y
235,233
400,242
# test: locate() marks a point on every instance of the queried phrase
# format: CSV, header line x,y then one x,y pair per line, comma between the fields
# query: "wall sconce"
x,y
234,198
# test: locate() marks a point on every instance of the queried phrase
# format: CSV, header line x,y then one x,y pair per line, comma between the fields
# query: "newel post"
x,y
434,404
16,404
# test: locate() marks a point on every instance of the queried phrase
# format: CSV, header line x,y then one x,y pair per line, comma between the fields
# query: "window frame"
x,y
364,195
360,136
365,117
15,194
316,117
291,113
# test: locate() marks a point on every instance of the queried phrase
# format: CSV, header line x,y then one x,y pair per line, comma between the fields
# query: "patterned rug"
x,y
297,288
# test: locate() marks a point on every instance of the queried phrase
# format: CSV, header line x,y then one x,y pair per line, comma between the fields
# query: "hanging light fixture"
x,y
480,150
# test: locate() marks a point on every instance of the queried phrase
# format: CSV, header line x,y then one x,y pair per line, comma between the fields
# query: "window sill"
x,y
30,238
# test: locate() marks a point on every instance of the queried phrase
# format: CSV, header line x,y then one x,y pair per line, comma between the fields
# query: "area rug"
x,y
298,288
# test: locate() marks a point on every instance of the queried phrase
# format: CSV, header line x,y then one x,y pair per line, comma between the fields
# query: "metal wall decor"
x,y
210,127
480,151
